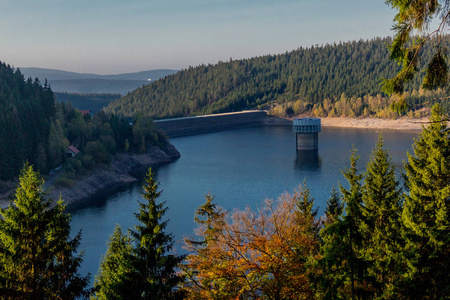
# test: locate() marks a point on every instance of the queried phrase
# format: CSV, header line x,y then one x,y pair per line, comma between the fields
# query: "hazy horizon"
x,y
112,37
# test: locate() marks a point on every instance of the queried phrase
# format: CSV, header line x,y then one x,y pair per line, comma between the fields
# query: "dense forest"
x,y
310,76
27,115
378,239
39,130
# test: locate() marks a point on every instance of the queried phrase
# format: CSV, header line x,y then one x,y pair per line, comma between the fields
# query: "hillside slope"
x,y
310,75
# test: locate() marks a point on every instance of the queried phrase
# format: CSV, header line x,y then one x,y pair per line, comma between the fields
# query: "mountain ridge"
x,y
73,82
57,74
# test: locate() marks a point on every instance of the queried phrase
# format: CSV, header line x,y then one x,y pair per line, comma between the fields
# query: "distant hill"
x,y
315,78
97,86
71,82
87,101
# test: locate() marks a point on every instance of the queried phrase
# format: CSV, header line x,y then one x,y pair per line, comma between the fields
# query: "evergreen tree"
x,y
305,206
56,144
416,17
381,226
426,212
156,269
305,203
342,268
210,221
330,278
351,227
334,207
37,256
114,279
210,217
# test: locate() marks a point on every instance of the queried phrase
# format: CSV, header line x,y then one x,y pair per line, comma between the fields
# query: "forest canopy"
x,y
309,75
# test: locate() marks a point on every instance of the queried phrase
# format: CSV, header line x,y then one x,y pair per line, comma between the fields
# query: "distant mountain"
x,y
71,82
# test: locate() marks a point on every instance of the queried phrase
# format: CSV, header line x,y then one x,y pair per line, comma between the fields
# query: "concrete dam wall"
x,y
210,123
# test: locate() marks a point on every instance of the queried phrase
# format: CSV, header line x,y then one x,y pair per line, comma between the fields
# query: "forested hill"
x,y
35,128
27,112
355,68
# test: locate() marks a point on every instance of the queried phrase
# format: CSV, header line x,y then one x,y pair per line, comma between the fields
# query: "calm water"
x,y
240,167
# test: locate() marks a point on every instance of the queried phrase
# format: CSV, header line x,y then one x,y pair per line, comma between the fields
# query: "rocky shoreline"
x,y
117,174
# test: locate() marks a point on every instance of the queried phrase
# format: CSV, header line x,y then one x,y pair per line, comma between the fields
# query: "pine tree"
x,y
210,220
305,206
114,279
305,203
412,27
56,141
342,267
330,277
37,256
426,211
156,269
381,225
351,226
334,207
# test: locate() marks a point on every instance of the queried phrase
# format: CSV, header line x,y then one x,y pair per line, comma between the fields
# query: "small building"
x,y
85,112
72,151
307,133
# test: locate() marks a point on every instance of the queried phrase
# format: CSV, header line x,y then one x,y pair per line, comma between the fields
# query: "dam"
x,y
210,123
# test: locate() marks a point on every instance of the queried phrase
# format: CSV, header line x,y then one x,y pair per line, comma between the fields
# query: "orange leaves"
x,y
253,254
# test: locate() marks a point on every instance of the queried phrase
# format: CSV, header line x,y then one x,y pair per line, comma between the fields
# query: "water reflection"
x,y
308,160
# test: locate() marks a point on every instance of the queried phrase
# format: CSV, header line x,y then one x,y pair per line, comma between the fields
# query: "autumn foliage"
x,y
252,255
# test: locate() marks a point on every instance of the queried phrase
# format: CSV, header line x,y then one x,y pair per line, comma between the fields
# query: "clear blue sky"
x,y
118,36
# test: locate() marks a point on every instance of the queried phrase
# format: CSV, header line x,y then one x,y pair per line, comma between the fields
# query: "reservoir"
x,y
241,168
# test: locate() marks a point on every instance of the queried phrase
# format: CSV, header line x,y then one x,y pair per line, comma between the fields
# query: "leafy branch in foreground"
x,y
411,26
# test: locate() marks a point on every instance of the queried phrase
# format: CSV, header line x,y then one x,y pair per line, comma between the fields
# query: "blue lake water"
x,y
241,168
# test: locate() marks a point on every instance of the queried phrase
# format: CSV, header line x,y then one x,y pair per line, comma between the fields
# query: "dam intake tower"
x,y
307,133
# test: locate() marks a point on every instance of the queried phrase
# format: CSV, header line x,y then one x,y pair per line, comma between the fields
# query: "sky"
x,y
123,36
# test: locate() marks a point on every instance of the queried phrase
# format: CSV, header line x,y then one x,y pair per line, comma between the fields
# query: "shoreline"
x,y
375,123
117,174
403,123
